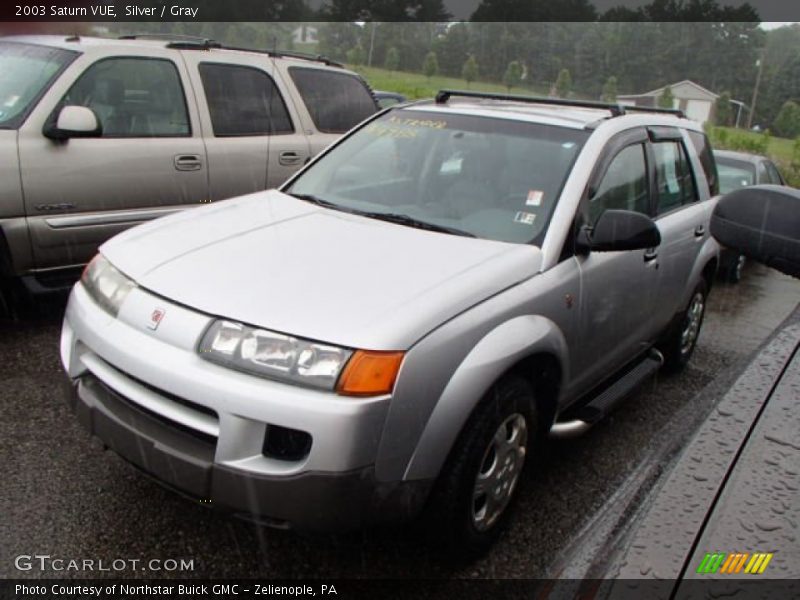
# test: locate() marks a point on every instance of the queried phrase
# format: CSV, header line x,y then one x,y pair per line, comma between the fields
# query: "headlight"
x,y
105,284
296,360
274,355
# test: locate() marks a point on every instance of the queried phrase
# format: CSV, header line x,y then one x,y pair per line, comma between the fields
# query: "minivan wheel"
x,y
681,342
472,499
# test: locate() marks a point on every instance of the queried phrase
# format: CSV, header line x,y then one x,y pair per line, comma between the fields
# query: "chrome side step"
x,y
602,404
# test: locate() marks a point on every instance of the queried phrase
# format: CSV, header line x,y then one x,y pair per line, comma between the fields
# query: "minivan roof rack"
x,y
616,109
176,37
188,42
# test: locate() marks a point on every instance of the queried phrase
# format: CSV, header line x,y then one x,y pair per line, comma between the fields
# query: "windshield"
x,y
734,174
487,177
26,71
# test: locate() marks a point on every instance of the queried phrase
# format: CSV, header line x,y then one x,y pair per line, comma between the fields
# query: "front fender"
x,y
496,353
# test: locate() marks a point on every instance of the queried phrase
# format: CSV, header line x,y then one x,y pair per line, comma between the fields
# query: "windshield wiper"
x,y
318,201
412,222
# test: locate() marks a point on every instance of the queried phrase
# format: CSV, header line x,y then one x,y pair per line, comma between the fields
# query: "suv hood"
x,y
276,262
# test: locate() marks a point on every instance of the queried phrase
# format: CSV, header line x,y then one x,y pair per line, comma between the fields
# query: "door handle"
x,y
289,158
650,254
700,231
188,162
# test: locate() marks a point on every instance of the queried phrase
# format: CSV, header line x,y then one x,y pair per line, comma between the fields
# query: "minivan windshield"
x,y
480,176
26,71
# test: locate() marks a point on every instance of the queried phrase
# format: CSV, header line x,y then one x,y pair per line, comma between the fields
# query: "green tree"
x,y
430,65
470,70
666,99
610,90
563,84
513,74
392,60
723,111
356,56
787,123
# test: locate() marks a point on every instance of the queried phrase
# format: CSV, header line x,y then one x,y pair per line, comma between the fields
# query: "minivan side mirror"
x,y
617,230
763,223
74,121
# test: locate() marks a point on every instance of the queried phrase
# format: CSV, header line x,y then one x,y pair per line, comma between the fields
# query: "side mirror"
x,y
74,121
617,230
763,223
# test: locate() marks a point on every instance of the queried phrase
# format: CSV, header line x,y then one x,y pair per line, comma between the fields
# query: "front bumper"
x,y
184,463
199,428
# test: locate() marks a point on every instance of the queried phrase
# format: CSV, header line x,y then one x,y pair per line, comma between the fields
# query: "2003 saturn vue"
x,y
395,328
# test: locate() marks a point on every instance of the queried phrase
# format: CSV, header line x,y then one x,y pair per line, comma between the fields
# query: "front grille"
x,y
199,435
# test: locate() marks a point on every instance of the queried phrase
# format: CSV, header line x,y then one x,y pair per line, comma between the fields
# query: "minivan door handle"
x,y
188,162
700,231
289,158
650,254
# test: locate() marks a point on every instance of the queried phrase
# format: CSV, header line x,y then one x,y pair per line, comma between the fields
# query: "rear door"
x,y
681,216
253,140
149,160
330,102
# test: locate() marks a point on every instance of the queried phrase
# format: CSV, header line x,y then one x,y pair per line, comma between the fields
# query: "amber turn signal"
x,y
370,373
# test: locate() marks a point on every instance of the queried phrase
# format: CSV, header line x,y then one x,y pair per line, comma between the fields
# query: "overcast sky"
x,y
781,11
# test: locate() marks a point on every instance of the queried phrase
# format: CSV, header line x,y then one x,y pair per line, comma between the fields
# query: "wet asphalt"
x,y
63,495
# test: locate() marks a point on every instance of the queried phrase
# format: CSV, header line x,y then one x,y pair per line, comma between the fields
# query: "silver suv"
x,y
398,326
98,134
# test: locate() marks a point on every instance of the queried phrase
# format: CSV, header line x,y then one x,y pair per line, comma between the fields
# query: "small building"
x,y
693,99
305,34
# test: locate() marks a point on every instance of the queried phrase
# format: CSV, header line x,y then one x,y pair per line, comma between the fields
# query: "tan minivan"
x,y
97,135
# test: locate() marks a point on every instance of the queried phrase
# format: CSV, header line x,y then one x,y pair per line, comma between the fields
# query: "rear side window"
x,y
243,101
703,149
674,178
337,102
133,97
774,174
624,185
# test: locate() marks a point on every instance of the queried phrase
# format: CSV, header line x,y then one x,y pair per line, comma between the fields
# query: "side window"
x,y
133,97
774,174
703,149
624,185
674,179
337,102
243,101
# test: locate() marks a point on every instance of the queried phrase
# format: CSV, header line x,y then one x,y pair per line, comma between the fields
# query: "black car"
x,y
385,99
738,170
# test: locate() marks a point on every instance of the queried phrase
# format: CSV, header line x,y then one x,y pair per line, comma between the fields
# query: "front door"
x,y
617,288
149,160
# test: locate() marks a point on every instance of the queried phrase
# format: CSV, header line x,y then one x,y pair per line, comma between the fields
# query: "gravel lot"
x,y
64,496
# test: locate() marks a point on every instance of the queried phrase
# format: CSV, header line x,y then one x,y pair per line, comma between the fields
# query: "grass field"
x,y
779,148
415,85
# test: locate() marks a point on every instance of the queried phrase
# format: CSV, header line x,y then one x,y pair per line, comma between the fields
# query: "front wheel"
x,y
471,502
681,342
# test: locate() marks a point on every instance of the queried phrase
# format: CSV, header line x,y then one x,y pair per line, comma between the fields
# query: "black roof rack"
x,y
616,109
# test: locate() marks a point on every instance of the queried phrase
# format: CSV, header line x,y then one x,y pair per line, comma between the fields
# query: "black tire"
x,y
7,308
733,272
681,341
452,517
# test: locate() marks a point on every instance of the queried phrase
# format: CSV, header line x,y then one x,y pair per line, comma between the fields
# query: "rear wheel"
x,y
682,340
471,502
